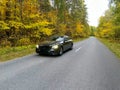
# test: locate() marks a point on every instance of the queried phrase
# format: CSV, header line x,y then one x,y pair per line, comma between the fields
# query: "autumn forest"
x,y
24,22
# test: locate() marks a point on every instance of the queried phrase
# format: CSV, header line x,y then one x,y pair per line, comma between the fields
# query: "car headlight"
x,y
55,46
37,46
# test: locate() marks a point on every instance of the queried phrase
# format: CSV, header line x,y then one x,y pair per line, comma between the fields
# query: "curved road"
x,y
89,66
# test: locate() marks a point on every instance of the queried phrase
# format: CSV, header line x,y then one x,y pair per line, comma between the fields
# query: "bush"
x,y
117,32
3,26
5,43
23,41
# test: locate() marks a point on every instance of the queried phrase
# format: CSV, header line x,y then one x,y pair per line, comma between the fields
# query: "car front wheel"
x,y
61,51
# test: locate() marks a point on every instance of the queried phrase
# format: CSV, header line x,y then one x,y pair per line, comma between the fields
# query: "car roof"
x,y
65,36
60,36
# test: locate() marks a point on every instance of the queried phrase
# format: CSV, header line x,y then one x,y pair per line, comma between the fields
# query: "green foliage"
x,y
117,32
72,18
92,30
109,25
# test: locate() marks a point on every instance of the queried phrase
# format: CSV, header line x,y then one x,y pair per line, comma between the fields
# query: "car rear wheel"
x,y
61,51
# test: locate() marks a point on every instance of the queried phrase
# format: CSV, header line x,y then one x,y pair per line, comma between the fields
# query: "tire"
x,y
60,51
71,47
36,51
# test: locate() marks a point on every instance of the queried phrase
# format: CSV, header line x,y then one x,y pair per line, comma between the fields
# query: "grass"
x,y
114,46
10,53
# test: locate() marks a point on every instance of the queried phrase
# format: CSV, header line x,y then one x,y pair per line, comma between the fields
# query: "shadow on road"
x,y
52,56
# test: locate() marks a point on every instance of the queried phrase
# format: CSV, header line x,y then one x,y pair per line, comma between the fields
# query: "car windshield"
x,y
56,38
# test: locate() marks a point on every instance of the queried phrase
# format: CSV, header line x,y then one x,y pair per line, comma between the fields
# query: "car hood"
x,y
47,43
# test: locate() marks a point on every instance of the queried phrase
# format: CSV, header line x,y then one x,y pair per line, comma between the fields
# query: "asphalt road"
x,y
89,66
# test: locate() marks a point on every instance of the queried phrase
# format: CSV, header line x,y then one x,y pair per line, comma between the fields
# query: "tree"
x,y
33,20
109,24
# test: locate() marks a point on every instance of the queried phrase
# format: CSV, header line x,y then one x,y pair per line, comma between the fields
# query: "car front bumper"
x,y
48,52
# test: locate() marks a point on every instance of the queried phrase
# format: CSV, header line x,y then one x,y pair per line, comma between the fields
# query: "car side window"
x,y
59,39
66,38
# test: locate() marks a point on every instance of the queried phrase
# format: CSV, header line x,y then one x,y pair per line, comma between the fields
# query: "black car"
x,y
55,46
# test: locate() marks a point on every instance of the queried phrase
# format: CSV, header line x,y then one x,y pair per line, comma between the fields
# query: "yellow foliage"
x,y
62,28
3,26
46,31
52,17
32,16
40,28
106,30
79,28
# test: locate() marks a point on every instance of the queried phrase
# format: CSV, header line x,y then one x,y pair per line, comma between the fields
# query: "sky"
x,y
95,9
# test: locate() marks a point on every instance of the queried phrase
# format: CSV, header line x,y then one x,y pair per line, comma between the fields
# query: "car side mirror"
x,y
65,41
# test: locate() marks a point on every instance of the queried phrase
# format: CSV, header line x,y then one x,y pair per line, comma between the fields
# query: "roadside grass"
x,y
114,46
9,53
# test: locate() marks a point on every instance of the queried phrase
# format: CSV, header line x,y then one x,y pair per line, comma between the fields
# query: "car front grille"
x,y
44,48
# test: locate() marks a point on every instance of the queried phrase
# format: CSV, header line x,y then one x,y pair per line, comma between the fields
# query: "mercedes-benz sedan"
x,y
55,46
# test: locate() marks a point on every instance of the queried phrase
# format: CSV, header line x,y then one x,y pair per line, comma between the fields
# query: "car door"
x,y
66,43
